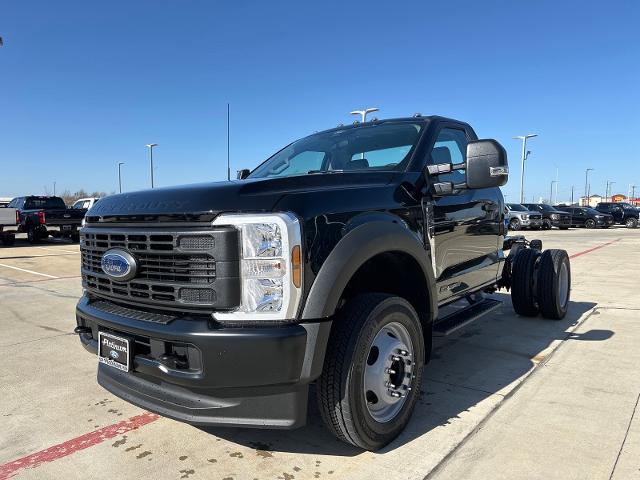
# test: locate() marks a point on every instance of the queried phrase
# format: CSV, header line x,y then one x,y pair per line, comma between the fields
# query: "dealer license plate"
x,y
114,351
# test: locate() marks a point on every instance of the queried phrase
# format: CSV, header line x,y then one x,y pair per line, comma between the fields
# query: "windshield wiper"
x,y
315,172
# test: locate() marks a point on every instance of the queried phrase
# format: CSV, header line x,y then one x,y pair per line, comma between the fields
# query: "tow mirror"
x,y
486,164
244,173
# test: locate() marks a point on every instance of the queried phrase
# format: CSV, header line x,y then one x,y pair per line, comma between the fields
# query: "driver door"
x,y
467,223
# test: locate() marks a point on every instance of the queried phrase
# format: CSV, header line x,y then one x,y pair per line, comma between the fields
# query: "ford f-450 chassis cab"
x,y
325,266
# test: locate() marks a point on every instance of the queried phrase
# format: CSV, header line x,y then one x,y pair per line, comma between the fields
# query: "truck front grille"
x,y
176,269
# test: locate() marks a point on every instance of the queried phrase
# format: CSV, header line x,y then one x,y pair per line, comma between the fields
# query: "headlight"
x,y
599,216
555,216
525,217
270,266
82,222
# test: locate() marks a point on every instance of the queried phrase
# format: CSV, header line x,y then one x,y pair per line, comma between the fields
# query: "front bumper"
x,y
253,377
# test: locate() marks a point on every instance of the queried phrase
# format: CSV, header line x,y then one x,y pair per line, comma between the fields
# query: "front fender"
x,y
351,252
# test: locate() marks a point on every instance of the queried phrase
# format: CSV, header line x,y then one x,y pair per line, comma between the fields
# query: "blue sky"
x,y
84,85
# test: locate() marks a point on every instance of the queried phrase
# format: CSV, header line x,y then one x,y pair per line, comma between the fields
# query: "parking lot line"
x,y
76,444
28,271
59,250
589,250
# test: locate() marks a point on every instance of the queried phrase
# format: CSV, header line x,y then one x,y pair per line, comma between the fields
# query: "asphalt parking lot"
x,y
506,397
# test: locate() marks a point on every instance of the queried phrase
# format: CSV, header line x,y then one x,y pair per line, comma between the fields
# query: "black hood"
x,y
206,200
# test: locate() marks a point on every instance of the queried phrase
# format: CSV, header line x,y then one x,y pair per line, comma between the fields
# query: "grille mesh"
x,y
163,267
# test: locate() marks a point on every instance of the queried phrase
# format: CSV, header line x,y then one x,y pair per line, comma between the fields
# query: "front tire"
x,y
631,223
514,224
590,223
372,371
546,225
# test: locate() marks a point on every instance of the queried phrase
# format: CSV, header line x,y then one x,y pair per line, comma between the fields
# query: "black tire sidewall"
x,y
589,223
549,279
514,224
374,434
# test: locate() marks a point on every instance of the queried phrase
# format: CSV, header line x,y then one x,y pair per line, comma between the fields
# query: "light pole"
x,y
551,193
525,154
608,190
54,189
120,175
363,113
633,195
151,145
586,186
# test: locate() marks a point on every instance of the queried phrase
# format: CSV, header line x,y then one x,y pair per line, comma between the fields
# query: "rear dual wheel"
x,y
372,373
541,283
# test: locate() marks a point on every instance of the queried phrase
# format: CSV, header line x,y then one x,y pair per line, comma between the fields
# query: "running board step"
x,y
455,321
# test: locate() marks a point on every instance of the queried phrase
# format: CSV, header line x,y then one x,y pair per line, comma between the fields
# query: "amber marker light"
x,y
296,266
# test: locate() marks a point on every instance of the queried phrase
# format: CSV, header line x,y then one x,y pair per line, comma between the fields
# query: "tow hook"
x,y
79,330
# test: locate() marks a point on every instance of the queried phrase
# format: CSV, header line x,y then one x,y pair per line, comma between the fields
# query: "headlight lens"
x,y
271,270
525,217
555,216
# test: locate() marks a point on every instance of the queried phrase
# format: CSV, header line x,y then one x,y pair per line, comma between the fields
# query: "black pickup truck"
x,y
623,213
328,264
41,216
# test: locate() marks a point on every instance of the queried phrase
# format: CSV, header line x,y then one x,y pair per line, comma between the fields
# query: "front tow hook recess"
x,y
79,330
172,361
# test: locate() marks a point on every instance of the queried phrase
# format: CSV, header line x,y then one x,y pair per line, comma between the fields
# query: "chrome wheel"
x,y
388,372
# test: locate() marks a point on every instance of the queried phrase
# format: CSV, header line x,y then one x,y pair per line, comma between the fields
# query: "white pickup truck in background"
x,y
8,225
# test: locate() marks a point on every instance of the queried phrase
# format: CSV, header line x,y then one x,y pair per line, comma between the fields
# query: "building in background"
x,y
592,201
618,197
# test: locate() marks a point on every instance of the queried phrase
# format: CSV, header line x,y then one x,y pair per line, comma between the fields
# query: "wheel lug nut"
x,y
390,371
395,358
403,353
395,394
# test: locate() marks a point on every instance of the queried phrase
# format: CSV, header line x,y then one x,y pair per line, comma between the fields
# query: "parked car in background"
x,y
8,225
4,201
589,217
551,216
622,212
41,216
85,203
519,217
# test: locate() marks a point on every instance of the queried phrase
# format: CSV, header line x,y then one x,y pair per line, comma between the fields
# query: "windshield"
x,y
591,211
517,207
386,146
46,203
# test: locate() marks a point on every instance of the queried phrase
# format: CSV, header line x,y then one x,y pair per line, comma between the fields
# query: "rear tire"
x,y
346,390
33,235
522,285
554,284
631,222
8,240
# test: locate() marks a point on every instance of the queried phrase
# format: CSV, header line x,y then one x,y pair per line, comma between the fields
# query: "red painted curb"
x,y
76,444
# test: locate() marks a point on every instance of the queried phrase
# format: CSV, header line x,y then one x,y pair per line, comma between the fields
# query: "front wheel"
x,y
546,224
631,222
514,224
590,223
372,372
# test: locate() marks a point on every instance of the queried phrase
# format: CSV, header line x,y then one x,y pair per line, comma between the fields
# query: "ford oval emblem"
x,y
119,264
113,354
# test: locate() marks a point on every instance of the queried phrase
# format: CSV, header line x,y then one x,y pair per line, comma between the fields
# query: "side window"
x,y
450,147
